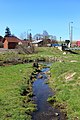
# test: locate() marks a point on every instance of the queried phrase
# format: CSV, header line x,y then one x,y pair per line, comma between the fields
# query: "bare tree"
x,y
45,35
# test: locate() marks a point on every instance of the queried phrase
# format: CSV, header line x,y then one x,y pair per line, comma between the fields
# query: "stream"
x,y
41,92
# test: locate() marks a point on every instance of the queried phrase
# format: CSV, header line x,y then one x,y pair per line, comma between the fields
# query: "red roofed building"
x,y
78,43
11,42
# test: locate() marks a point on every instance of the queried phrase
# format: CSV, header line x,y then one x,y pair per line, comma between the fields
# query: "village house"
x,y
37,43
11,42
78,43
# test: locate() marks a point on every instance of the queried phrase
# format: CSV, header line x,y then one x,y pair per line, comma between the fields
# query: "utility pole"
x,y
70,32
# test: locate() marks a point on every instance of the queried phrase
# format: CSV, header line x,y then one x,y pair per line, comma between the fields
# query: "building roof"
x,y
12,39
37,41
15,39
78,41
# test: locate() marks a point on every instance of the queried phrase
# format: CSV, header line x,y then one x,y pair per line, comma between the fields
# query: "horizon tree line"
x,y
37,36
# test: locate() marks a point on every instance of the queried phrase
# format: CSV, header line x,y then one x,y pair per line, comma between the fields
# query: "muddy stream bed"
x,y
41,92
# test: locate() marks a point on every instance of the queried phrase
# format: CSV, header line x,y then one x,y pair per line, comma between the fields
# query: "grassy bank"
x,y
42,53
65,80
14,80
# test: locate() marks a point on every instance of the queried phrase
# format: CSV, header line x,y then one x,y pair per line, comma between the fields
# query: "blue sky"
x,y
38,15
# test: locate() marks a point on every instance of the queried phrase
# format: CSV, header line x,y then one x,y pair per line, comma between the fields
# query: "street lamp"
x,y
28,33
70,31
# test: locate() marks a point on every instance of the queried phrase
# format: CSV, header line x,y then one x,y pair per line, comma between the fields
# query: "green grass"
x,y
41,54
65,80
13,106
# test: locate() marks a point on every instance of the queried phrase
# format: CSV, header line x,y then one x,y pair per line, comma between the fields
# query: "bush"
x,y
23,48
1,45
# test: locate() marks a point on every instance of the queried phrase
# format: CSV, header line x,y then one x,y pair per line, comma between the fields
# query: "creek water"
x,y
41,92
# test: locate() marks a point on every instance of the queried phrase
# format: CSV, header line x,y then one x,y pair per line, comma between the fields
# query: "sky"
x,y
35,16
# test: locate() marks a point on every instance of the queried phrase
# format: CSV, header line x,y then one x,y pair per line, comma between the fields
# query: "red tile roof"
x,y
15,39
12,39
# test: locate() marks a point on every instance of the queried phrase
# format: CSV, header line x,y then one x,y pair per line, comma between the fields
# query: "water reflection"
x,y
42,92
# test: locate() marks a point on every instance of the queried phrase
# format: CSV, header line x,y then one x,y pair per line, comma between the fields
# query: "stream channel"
x,y
41,92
